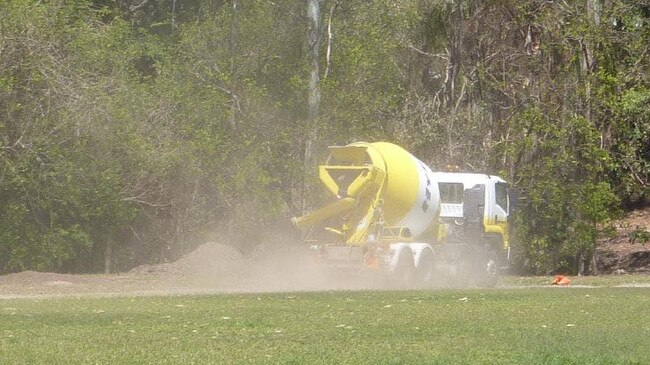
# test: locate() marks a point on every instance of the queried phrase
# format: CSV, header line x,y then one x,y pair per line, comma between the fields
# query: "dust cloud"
x,y
270,267
273,266
278,266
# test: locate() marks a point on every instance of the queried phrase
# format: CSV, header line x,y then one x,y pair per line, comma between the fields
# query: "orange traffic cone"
x,y
561,280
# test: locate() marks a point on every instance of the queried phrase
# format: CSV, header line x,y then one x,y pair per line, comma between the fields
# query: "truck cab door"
x,y
497,218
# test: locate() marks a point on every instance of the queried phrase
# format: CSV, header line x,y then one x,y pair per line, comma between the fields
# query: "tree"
x,y
132,131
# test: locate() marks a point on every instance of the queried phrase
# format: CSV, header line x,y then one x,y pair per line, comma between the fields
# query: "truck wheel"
x,y
402,276
489,273
459,267
424,272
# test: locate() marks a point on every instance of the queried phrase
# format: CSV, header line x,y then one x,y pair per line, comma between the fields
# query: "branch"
x,y
462,93
636,176
136,199
137,7
432,55
216,83
330,37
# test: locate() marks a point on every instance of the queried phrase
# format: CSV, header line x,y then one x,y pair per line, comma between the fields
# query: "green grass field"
x,y
603,325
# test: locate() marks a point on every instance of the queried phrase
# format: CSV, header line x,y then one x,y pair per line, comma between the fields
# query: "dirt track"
x,y
217,268
212,268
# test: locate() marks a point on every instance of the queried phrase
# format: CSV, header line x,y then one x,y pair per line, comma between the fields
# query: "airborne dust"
x,y
212,268
275,265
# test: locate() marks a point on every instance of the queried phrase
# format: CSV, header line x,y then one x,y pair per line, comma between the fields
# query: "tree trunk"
x,y
173,14
233,65
594,263
108,256
314,37
581,263
313,41
588,61
330,38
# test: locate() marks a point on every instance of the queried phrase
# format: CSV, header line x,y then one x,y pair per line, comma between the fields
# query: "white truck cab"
x,y
475,210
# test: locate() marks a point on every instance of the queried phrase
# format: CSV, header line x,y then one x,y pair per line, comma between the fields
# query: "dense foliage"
x,y
132,130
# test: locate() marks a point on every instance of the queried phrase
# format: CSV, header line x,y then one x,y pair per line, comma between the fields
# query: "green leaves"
x,y
161,124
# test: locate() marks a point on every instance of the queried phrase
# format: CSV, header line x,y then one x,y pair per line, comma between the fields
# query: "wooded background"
x,y
133,130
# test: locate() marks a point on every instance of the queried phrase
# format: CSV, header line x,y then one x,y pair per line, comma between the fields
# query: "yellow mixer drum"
x,y
386,183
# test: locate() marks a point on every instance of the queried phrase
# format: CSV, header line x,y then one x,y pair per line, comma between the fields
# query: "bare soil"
x,y
627,250
218,268
211,268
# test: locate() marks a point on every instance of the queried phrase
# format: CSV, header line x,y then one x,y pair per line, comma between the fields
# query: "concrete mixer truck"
x,y
391,214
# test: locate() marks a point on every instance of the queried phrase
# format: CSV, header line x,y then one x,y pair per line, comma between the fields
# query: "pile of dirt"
x,y
33,278
628,250
212,267
269,267
209,258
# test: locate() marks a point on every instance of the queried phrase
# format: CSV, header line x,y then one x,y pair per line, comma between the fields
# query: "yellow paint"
x,y
383,180
401,189
499,227
442,232
395,189
325,212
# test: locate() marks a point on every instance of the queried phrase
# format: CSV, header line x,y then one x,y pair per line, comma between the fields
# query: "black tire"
x,y
460,267
402,276
488,273
425,271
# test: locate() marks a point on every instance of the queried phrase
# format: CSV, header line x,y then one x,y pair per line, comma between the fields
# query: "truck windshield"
x,y
502,196
451,193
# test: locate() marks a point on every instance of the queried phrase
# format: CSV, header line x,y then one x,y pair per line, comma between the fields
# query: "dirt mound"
x,y
210,255
628,251
275,265
209,258
31,278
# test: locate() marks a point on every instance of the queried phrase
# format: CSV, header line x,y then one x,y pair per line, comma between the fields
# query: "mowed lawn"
x,y
499,326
